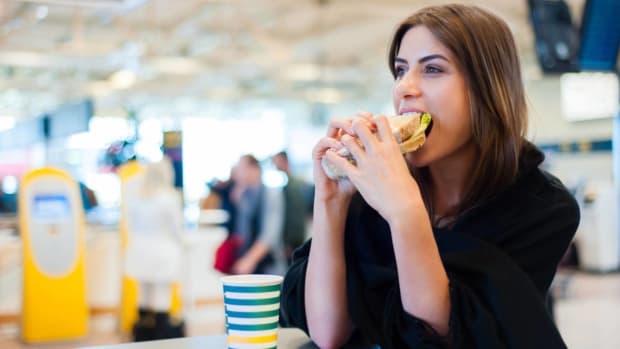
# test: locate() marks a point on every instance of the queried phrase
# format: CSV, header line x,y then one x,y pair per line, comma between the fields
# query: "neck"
x,y
449,179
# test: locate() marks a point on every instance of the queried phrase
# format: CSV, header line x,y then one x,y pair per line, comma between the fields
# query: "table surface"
x,y
288,338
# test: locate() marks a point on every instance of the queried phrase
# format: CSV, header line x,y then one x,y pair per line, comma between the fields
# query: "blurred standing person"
x,y
295,208
89,199
220,197
155,250
259,220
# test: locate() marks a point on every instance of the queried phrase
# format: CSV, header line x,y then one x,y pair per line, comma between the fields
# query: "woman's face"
x,y
428,79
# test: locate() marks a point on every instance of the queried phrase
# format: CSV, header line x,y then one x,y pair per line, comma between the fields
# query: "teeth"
x,y
411,113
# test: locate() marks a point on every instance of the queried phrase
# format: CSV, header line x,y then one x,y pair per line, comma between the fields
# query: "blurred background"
x,y
89,85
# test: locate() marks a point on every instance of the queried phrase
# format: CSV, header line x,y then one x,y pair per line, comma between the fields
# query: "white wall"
x,y
574,167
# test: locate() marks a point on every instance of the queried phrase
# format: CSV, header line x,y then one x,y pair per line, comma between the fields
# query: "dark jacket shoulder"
x,y
533,220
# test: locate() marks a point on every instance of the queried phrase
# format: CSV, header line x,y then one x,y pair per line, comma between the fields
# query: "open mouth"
x,y
429,128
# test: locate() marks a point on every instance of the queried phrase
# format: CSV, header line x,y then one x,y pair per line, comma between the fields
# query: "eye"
x,y
400,71
431,69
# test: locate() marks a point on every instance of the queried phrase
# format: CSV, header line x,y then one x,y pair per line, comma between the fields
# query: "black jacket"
x,y
500,258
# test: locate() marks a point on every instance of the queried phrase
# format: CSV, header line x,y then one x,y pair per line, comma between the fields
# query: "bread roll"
x,y
408,129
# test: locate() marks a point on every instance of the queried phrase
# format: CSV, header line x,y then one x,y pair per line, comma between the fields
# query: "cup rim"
x,y
252,280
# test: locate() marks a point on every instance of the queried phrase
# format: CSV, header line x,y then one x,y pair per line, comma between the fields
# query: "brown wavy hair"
x,y
486,55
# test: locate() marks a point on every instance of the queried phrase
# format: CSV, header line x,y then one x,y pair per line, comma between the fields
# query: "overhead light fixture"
x,y
223,93
6,123
175,65
303,72
327,95
88,3
41,12
122,79
99,88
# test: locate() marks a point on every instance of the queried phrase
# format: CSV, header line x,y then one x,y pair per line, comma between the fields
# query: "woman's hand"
x,y
327,189
381,174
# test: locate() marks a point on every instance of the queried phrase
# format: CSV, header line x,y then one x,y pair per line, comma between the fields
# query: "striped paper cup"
x,y
252,304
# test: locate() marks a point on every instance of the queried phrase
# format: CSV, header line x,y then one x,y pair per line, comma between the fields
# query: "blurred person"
x,y
89,198
212,200
220,197
454,245
154,254
295,207
259,220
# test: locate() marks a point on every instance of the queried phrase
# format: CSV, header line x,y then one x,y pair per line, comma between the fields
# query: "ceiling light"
x,y
176,65
89,3
7,123
326,95
223,93
99,88
303,72
122,79
41,12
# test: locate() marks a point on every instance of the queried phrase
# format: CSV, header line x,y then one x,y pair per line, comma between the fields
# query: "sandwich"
x,y
409,129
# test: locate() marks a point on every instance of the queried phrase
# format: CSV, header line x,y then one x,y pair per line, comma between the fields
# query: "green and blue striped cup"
x,y
252,304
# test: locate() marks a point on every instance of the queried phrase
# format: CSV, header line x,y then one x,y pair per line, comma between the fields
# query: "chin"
x,y
417,159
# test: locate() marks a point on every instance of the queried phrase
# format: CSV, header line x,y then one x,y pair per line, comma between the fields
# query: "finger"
x,y
384,130
368,121
364,133
344,165
364,114
338,124
323,145
353,145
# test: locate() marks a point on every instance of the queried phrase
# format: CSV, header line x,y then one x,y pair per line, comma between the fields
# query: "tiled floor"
x,y
205,320
588,315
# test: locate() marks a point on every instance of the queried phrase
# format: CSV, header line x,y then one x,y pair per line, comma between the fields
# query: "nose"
x,y
408,86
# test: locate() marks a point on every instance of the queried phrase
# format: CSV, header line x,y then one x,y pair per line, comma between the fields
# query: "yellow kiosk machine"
x,y
130,177
51,219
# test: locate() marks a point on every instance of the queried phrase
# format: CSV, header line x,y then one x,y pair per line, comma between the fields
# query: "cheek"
x,y
452,99
395,100
453,107
458,131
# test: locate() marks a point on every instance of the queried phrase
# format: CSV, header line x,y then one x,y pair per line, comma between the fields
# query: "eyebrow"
x,y
423,59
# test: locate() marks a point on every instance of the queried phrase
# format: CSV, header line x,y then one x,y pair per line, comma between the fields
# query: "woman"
x,y
456,244
154,254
